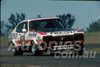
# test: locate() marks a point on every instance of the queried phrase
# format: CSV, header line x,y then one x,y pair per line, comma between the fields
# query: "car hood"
x,y
58,32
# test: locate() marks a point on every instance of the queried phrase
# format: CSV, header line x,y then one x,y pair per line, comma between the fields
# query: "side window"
x,y
21,26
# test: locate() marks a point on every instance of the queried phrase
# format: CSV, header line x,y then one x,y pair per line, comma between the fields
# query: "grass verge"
x,y
92,38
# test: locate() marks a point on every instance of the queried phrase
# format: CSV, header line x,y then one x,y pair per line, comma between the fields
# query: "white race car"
x,y
45,34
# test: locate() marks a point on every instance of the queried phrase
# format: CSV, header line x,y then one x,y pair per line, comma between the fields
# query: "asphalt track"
x,y
50,61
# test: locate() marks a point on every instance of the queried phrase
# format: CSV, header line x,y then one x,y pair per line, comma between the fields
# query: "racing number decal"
x,y
13,36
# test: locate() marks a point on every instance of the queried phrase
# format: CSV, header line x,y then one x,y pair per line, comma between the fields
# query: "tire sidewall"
x,y
15,50
35,50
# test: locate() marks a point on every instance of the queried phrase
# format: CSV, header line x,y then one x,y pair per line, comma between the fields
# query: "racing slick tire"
x,y
35,50
81,50
17,53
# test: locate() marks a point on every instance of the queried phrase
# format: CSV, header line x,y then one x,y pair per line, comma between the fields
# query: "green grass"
x,y
4,40
90,38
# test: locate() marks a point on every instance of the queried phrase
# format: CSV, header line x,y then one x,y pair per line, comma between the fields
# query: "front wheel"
x,y
35,50
80,51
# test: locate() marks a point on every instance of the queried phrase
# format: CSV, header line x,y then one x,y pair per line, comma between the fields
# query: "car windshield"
x,y
45,24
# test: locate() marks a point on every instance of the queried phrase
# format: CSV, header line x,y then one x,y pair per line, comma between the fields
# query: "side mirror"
x,y
23,30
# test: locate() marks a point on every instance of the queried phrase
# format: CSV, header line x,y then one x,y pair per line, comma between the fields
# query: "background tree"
x,y
94,26
38,16
14,19
2,28
68,20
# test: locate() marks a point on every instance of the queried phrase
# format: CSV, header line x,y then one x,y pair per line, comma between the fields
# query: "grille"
x,y
63,38
58,39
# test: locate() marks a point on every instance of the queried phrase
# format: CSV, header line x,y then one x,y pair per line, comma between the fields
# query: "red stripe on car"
x,y
26,41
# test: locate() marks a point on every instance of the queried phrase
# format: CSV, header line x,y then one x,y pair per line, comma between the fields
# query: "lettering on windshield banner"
x,y
62,32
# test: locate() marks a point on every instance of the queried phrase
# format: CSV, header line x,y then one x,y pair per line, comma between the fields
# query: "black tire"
x,y
81,50
15,51
35,50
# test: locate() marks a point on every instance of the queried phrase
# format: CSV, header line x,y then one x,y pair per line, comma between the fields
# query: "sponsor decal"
x,y
38,37
33,34
60,47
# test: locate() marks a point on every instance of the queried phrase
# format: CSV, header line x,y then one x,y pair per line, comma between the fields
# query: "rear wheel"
x,y
15,51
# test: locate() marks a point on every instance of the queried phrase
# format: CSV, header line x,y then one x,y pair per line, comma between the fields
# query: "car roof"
x,y
43,18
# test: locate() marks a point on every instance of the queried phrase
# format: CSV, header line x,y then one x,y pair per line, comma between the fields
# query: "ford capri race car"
x,y
41,35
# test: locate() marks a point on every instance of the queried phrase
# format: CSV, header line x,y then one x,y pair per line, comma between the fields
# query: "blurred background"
x,y
83,15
